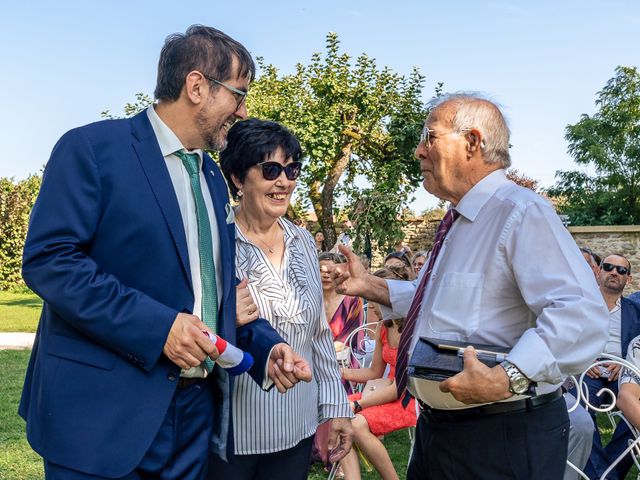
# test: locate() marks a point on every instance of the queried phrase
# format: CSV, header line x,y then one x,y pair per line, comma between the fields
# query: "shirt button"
x,y
171,377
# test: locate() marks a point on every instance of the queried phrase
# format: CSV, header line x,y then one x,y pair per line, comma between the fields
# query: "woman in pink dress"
x,y
378,409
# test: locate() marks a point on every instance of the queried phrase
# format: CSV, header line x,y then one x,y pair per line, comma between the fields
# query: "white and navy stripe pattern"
x,y
291,300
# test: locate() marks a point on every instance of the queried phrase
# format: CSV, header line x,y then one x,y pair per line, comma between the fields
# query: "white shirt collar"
x,y
473,201
167,139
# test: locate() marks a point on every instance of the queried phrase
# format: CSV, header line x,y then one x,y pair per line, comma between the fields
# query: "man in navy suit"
x,y
116,386
624,324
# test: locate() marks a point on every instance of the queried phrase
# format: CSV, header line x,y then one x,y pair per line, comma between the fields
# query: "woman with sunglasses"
x,y
274,431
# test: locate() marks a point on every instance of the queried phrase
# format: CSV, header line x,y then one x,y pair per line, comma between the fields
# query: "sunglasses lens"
x,y
271,170
292,171
607,267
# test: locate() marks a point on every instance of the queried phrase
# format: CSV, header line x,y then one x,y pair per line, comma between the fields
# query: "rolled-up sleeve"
x,y
401,294
571,326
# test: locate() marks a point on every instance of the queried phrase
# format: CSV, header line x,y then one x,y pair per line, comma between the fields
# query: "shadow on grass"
x,y
23,302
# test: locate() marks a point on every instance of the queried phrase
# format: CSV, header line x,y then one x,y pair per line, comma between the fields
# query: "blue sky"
x,y
64,62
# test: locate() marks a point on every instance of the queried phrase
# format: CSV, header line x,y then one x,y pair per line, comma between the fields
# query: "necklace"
x,y
270,248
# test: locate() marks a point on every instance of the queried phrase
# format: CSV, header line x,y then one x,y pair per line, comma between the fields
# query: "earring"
x,y
240,193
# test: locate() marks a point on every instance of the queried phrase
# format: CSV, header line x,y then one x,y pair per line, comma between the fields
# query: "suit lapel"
x,y
146,147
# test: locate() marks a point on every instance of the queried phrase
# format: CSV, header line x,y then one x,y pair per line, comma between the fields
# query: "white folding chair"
x,y
582,392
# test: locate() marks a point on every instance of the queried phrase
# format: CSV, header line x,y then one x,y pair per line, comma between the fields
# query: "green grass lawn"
x,y
17,460
19,312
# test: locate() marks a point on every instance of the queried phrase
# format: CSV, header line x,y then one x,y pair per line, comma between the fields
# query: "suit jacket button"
x,y
171,378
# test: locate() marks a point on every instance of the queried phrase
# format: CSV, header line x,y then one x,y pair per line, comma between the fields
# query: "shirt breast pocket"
x,y
456,307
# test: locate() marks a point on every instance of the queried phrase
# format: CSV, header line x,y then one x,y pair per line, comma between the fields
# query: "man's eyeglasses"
x,y
428,137
607,267
272,170
240,95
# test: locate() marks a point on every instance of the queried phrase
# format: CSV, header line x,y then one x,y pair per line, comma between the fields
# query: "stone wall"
x,y
605,240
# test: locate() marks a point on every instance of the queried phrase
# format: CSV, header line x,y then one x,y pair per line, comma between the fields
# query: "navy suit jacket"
x,y
106,251
629,323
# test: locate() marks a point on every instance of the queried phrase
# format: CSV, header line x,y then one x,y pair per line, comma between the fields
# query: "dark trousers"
x,y
516,446
290,464
600,457
180,449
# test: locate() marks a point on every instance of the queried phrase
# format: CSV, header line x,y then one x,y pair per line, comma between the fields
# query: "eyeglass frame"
x,y
281,168
243,94
426,135
610,266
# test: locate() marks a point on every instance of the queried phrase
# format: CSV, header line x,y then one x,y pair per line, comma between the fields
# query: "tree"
x,y
16,201
608,141
352,120
521,179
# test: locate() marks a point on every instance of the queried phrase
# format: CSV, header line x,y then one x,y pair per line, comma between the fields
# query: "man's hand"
x,y
614,370
286,367
477,383
186,345
340,439
594,372
246,309
348,278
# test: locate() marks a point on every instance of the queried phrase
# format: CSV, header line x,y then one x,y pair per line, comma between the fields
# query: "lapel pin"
x,y
212,174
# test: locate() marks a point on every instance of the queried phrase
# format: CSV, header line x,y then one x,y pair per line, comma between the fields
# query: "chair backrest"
x,y
607,406
358,350
361,344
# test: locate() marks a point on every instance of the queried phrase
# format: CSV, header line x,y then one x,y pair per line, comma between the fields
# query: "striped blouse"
x,y
291,300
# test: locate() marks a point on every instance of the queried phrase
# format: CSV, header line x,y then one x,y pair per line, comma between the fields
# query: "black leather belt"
x,y
185,382
516,406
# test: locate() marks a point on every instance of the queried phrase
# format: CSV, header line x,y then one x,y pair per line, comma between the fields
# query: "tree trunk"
x,y
330,183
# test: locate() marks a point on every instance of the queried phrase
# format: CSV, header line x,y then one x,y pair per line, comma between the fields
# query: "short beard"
x,y
613,291
209,138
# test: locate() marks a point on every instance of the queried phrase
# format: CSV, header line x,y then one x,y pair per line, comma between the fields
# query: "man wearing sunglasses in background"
x,y
131,246
624,324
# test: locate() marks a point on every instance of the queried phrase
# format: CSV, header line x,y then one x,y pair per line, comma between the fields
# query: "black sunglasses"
x,y
272,170
607,267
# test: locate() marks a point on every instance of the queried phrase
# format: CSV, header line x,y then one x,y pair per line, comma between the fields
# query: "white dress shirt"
x,y
291,300
169,143
510,274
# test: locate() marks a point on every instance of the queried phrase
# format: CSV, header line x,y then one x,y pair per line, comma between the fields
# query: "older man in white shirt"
x,y
507,274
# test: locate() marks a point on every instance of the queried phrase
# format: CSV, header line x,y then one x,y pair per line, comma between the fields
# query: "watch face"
x,y
520,384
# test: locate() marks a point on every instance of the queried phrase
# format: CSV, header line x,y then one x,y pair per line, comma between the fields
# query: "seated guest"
x,y
629,386
344,313
592,259
419,259
262,162
378,409
624,324
401,259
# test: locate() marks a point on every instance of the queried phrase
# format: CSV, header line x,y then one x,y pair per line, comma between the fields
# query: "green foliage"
x,y
16,201
609,143
352,118
130,109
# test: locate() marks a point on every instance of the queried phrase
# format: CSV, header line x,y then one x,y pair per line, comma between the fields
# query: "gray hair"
x,y
472,110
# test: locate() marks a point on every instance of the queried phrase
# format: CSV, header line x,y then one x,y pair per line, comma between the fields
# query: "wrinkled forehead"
x,y
441,116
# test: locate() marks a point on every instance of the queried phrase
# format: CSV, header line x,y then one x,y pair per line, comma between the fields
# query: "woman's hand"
x,y
246,309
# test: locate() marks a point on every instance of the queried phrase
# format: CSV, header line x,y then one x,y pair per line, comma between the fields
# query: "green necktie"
x,y
209,313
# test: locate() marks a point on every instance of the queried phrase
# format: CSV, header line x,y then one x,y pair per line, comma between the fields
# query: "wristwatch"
x,y
518,383
357,408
